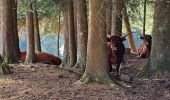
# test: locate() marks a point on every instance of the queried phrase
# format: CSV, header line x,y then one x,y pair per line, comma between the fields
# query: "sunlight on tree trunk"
x,y
128,30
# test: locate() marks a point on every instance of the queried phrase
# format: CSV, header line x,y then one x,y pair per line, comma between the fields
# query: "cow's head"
x,y
116,41
147,39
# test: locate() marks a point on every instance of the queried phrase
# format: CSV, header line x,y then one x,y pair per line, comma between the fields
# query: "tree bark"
x,y
160,55
36,30
117,17
75,19
128,30
82,33
72,40
8,32
30,56
96,66
15,28
58,35
1,39
109,17
66,57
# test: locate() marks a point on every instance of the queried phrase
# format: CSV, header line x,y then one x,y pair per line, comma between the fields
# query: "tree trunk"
x,y
30,56
15,28
117,17
128,30
36,30
97,59
58,36
1,39
66,38
109,17
82,33
8,32
160,55
75,20
144,18
72,40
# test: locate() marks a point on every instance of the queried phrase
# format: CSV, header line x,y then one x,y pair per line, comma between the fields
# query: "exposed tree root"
x,y
64,65
103,80
147,71
79,65
69,70
88,79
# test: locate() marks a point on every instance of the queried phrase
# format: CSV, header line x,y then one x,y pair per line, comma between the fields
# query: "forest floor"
x,y
46,82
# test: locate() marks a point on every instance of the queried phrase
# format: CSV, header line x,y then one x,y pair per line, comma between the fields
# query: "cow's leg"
x,y
117,70
118,66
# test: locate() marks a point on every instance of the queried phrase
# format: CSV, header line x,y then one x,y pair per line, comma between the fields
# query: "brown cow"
x,y
145,48
116,50
43,57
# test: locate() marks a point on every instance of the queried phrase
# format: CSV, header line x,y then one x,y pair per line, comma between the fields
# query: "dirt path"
x,y
44,82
